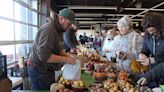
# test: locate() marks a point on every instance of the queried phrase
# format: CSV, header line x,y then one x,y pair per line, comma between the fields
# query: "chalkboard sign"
x,y
3,66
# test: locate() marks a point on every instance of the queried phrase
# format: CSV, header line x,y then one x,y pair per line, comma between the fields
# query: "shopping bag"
x,y
72,72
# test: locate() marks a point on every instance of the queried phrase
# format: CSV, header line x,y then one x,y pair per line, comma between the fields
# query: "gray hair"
x,y
125,21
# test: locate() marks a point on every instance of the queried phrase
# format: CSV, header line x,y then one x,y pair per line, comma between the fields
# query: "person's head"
x,y
111,33
103,32
124,25
84,34
97,33
153,23
66,18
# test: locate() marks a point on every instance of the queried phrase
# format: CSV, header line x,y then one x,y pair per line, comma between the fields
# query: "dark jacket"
x,y
156,73
70,40
153,46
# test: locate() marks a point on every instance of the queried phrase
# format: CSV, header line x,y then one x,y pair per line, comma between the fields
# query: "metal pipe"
x,y
107,8
100,15
148,9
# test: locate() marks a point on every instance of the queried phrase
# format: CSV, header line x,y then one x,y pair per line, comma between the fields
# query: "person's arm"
x,y
63,53
57,59
155,73
45,46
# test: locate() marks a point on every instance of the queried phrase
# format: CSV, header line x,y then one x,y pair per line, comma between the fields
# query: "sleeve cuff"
x,y
152,60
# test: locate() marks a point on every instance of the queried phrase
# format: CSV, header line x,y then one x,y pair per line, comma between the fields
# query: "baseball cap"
x,y
69,14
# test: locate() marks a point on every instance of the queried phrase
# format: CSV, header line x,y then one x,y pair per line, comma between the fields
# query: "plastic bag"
x,y
72,72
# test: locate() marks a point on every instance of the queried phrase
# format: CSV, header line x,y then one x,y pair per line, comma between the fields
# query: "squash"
x,y
137,67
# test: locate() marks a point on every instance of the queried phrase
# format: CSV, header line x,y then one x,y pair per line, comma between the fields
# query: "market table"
x,y
30,91
87,79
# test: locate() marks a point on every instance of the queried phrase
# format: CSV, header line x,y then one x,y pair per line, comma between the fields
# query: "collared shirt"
x,y
49,40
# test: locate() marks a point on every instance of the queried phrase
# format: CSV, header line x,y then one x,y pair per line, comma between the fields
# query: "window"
x,y
7,31
18,27
32,17
20,12
32,33
22,50
6,8
9,51
21,31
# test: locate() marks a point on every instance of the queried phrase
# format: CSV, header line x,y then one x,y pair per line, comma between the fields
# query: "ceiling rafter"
x,y
160,4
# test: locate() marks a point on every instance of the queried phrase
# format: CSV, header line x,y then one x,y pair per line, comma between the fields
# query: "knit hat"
x,y
125,21
69,14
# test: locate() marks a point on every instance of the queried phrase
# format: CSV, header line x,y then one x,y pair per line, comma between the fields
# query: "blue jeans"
x,y
40,80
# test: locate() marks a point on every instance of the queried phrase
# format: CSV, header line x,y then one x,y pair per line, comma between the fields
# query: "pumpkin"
x,y
137,67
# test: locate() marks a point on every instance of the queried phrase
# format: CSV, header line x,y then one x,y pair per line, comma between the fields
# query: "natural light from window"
x,y
18,27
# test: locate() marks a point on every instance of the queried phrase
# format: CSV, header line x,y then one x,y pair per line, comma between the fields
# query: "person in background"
x,y
90,41
90,38
70,40
81,39
103,35
152,52
85,38
0,53
127,44
97,42
109,37
48,53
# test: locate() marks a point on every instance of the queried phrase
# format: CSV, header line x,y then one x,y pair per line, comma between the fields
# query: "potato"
x,y
66,90
136,90
132,90
61,90
149,90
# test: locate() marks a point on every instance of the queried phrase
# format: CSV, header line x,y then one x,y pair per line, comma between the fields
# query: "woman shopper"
x,y
108,39
127,44
152,52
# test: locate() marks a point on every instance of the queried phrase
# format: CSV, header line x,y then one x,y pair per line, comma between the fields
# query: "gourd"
x,y
137,67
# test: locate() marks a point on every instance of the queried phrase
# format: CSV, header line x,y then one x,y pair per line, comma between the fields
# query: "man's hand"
x,y
142,81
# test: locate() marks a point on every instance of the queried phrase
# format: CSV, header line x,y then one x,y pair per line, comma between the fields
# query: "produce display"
x,y
123,75
57,87
74,50
104,77
78,84
90,55
63,81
